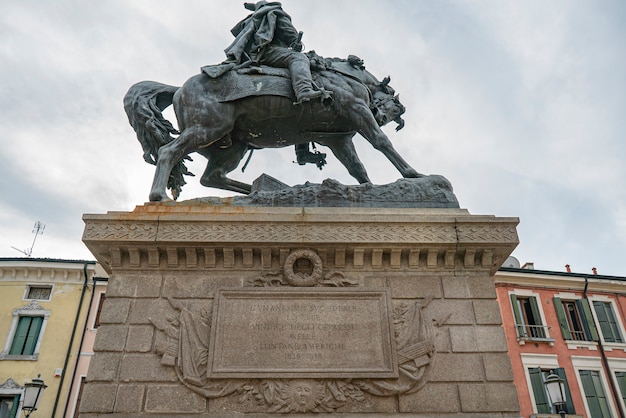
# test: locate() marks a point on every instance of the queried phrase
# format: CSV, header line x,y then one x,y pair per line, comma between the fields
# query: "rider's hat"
x,y
259,4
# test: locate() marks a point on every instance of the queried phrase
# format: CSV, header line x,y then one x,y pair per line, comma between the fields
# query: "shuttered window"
x,y
9,405
621,381
527,318
537,378
26,335
595,394
608,324
575,320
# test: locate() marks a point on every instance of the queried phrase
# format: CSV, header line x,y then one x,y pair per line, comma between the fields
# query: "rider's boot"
x,y
304,156
302,82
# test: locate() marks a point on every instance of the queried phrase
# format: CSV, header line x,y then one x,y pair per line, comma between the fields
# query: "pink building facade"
x,y
571,325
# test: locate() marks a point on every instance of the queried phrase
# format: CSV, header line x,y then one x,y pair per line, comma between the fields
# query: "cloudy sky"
x,y
520,104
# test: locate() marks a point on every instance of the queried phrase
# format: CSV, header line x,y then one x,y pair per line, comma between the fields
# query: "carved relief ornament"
x,y
183,344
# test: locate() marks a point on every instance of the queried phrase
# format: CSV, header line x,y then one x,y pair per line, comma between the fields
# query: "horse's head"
x,y
386,104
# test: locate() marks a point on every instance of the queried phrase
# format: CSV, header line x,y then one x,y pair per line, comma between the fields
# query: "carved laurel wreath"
x,y
301,279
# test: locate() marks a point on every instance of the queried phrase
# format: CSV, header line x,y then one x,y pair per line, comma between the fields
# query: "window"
x,y
24,339
37,292
537,378
621,381
575,319
528,318
26,335
595,395
608,324
79,396
10,393
9,405
96,321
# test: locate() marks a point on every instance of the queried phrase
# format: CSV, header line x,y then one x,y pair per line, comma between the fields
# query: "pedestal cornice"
x,y
199,235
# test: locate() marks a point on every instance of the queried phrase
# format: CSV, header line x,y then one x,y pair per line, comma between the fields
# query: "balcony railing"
x,y
578,335
536,333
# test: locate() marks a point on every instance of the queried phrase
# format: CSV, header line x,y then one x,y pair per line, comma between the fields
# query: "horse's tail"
x,y
143,104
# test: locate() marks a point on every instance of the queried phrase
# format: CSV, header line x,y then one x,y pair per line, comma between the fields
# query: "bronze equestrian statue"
x,y
263,96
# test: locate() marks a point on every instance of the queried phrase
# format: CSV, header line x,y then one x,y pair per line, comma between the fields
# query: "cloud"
x,y
519,104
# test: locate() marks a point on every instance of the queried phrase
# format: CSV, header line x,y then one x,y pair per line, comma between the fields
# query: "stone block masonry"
x,y
357,311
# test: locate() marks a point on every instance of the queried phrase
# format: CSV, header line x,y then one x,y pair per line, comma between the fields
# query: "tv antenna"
x,y
37,230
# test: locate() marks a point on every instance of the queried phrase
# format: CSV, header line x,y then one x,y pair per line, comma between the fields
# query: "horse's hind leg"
x,y
343,148
222,162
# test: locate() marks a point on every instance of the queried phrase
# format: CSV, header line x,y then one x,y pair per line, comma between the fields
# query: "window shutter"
x,y
588,324
538,330
19,338
33,335
560,314
16,404
569,403
609,328
539,391
621,381
594,393
518,316
617,335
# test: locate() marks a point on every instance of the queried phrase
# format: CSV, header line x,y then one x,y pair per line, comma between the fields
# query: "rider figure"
x,y
268,37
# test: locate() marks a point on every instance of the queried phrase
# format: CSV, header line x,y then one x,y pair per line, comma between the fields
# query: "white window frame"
x,y
537,296
27,291
576,344
543,361
78,381
11,388
608,346
595,364
32,309
617,365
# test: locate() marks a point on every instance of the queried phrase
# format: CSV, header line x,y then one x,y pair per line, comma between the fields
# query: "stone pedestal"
x,y
221,310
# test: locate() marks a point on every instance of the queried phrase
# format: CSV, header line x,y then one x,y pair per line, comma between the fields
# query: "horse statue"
x,y
222,116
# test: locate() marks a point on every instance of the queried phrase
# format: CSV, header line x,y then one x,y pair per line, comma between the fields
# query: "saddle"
x,y
251,81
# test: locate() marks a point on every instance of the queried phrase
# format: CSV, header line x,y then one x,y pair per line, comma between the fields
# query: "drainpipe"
x,y
605,361
82,340
69,346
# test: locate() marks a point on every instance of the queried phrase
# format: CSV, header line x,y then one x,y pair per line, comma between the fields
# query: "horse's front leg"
x,y
369,129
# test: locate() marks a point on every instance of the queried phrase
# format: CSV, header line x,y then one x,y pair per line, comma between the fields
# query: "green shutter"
x,y
518,316
538,330
19,338
594,393
617,335
16,404
569,402
26,335
539,391
560,314
608,325
33,335
588,324
621,381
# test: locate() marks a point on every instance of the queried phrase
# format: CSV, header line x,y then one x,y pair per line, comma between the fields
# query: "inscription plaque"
x,y
286,333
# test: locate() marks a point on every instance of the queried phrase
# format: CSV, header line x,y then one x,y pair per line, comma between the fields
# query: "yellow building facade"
x,y
44,305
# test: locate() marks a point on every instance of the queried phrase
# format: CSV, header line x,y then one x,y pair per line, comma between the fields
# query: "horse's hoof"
x,y
413,174
158,197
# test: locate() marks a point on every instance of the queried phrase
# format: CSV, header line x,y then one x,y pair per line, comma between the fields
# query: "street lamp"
x,y
555,386
32,395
